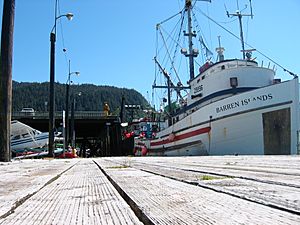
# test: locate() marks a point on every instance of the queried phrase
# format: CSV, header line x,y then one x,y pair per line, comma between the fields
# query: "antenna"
x,y
226,10
240,16
237,5
250,2
220,50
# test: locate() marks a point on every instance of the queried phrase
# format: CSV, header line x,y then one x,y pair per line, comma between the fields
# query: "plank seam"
x,y
21,201
225,192
135,208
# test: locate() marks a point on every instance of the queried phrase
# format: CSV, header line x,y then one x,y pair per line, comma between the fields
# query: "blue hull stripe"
x,y
27,140
216,94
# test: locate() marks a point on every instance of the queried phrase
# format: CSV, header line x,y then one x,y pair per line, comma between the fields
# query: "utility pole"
x,y
122,109
67,109
6,78
52,96
72,134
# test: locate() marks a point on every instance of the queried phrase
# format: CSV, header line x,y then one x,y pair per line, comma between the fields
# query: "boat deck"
x,y
152,190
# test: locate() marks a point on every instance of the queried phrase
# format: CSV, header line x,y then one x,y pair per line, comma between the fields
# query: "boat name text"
x,y
198,89
243,102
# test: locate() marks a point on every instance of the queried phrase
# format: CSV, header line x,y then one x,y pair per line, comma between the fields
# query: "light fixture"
x,y
69,16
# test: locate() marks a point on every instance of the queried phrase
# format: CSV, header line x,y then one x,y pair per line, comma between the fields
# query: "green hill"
x,y
92,97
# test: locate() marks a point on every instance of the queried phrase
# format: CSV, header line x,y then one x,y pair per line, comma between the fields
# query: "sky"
x,y
113,42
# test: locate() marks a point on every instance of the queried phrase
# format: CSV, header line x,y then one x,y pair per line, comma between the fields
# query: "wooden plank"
x,y
273,169
20,179
82,195
281,196
167,201
270,180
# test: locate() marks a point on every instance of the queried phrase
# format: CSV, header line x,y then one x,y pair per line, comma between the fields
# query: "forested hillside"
x,y
91,97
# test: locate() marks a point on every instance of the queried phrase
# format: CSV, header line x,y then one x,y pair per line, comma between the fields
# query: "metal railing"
x,y
58,115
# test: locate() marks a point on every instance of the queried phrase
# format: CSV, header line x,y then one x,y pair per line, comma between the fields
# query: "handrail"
x,y
58,114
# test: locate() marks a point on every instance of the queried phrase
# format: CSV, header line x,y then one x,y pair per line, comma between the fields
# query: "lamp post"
x,y
52,79
67,105
73,119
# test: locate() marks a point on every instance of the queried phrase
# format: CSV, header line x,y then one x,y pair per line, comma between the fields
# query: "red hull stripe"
x,y
181,136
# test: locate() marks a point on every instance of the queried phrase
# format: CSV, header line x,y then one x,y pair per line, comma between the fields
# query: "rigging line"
x,y
152,102
208,54
179,33
178,39
200,32
237,4
173,48
170,18
169,34
264,55
169,55
62,35
247,29
197,25
209,27
179,4
156,53
179,68
229,21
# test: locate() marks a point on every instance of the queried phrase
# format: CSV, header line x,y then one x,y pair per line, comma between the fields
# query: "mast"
x,y
190,34
192,52
240,16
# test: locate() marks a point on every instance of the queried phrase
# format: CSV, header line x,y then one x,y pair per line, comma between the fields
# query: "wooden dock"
x,y
152,190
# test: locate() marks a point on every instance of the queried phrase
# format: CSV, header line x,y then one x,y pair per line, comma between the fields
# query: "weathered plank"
x,y
280,196
81,195
20,179
270,180
167,201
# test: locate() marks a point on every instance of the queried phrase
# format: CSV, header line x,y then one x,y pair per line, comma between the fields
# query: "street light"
x,y
77,73
73,119
52,79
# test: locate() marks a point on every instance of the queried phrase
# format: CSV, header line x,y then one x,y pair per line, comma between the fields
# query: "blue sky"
x,y
113,42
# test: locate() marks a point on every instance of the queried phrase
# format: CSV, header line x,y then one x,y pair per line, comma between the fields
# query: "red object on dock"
x,y
68,155
144,151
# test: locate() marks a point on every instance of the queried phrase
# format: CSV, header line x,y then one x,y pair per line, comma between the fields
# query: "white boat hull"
x,y
37,141
257,122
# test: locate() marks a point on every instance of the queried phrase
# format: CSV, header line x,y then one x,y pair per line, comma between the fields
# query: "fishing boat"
x,y
232,106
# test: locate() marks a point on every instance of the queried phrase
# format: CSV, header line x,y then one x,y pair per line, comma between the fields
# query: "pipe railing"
x,y
77,115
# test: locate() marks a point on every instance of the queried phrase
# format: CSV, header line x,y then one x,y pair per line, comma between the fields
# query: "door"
x,y
277,132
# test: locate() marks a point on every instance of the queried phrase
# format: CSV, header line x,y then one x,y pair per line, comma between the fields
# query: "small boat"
x,y
229,107
24,137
